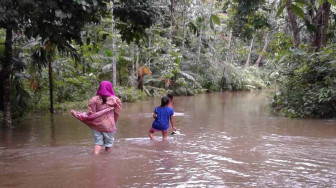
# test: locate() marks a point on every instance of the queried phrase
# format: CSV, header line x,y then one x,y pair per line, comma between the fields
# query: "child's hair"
x,y
170,96
164,101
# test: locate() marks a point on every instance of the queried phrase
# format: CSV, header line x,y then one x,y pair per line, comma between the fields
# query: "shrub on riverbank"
x,y
242,78
307,87
77,95
130,94
126,94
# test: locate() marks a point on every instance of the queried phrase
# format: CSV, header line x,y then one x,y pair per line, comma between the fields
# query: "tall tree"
x,y
320,21
315,19
135,16
6,71
114,50
293,23
173,17
247,63
262,51
247,19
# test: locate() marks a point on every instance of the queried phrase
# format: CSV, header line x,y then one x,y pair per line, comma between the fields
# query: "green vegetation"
x,y
54,53
308,88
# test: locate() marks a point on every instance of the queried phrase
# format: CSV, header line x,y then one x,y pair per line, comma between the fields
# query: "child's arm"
x,y
155,113
172,122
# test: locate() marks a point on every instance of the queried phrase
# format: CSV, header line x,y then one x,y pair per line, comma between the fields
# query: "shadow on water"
x,y
229,140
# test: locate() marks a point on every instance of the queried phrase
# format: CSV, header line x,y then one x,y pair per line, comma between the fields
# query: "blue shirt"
x,y
161,121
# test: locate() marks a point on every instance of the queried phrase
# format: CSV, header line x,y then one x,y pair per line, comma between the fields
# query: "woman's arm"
x,y
154,115
172,122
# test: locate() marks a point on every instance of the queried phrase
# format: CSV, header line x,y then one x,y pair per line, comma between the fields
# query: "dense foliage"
x,y
308,85
54,24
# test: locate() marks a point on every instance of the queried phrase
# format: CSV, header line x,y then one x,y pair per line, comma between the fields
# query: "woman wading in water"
x,y
104,109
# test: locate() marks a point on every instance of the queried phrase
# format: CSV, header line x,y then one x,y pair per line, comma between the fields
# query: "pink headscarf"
x,y
105,89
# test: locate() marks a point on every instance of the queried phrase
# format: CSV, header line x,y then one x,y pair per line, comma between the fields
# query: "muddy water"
x,y
228,140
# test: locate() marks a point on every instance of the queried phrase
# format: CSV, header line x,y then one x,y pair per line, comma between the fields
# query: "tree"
x,y
247,19
55,21
293,23
247,63
319,19
135,17
262,51
173,16
315,19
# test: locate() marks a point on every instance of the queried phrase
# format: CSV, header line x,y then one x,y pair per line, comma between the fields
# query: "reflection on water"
x,y
229,140
148,114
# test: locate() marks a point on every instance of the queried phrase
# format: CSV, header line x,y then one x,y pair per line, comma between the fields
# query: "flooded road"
x,y
228,139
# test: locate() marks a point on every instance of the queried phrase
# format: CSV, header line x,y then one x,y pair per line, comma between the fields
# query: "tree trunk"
x,y
232,56
148,51
6,84
318,38
262,51
139,74
133,78
199,44
183,20
173,5
114,51
247,64
228,47
228,52
137,55
183,29
293,24
51,97
132,59
114,76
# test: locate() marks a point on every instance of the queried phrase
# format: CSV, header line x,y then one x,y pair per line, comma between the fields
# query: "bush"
x,y
307,87
129,94
241,78
71,105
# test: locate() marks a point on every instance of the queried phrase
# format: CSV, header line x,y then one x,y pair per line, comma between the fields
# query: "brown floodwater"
x,y
228,139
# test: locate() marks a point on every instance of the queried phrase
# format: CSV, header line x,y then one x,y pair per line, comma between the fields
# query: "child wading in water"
x,y
104,109
162,115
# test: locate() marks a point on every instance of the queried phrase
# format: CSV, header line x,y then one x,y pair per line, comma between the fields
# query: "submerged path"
x,y
230,140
